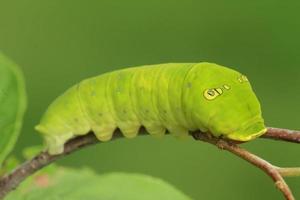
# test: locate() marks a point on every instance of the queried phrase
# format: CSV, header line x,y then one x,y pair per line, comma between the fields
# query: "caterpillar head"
x,y
228,106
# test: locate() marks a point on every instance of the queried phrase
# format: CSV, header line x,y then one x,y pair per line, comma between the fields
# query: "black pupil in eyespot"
x,y
211,93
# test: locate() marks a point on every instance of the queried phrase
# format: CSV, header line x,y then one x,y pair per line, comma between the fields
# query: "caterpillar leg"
x,y
155,129
55,144
129,130
104,133
178,131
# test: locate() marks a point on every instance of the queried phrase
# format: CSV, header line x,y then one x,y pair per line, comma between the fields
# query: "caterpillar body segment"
x,y
174,97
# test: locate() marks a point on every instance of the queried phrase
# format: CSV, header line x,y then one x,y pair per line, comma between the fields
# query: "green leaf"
x,y
12,105
9,164
70,184
29,152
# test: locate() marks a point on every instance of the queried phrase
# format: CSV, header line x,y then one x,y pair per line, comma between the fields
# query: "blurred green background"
x,y
59,42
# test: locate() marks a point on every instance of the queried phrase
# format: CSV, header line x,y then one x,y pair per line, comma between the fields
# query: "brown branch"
x,y
268,168
282,134
12,180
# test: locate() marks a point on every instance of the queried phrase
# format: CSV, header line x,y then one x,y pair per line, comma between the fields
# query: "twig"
x,y
268,168
12,180
289,171
282,134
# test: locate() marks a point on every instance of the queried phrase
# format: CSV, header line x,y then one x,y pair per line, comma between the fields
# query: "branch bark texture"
x,y
282,134
10,181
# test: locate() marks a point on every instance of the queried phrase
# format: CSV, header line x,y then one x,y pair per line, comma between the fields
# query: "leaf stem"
x,y
289,171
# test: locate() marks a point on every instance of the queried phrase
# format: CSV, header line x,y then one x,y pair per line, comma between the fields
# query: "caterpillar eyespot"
x,y
226,87
173,97
211,94
243,79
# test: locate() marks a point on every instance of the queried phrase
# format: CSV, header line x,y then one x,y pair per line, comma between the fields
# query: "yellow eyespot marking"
x,y
211,94
226,87
243,79
219,90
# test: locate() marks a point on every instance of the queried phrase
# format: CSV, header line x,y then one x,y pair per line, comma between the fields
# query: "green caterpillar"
x,y
178,97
